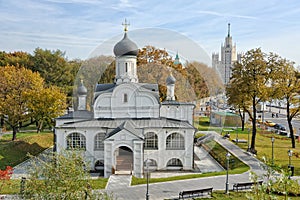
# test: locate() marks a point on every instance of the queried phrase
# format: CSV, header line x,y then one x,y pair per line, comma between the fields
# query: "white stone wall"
x,y
180,112
136,104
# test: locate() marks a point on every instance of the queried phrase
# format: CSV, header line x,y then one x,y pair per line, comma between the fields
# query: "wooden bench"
x,y
206,192
245,186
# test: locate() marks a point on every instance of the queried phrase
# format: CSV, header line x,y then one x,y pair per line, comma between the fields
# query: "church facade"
x,y
128,126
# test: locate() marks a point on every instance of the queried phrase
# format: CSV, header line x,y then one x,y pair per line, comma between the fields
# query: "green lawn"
x,y
15,152
263,144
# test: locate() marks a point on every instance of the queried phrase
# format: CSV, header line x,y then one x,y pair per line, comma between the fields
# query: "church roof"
x,y
136,123
78,114
125,47
170,80
127,125
172,102
81,90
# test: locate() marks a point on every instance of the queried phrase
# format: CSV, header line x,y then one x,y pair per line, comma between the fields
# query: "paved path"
x,y
169,190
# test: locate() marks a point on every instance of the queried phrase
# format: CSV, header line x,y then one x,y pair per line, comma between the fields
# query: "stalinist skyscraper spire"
x,y
228,57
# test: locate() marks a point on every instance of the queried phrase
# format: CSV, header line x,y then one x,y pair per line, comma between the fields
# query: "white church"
x,y
128,125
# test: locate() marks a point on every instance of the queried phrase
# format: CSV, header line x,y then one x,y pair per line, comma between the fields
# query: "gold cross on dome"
x,y
125,24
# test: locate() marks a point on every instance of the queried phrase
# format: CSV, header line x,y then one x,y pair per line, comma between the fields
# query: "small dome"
x,y
81,90
170,80
125,47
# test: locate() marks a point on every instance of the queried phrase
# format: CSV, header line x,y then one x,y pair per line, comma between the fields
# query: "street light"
x,y
147,166
237,135
272,140
227,168
290,154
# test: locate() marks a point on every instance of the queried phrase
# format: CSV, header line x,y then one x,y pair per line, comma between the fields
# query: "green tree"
x,y
61,176
251,76
286,86
55,69
16,87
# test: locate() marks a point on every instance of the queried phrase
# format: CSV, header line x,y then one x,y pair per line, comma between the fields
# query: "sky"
x,y
78,27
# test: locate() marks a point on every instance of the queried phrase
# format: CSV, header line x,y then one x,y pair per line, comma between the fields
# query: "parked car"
x,y
280,127
270,123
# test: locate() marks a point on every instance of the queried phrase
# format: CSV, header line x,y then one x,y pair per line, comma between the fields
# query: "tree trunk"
x,y
252,147
289,119
14,134
242,116
40,126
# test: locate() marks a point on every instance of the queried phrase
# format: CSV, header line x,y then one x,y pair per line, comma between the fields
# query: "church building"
x,y
128,126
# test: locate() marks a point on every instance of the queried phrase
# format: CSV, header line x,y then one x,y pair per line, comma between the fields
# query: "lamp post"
x,y
237,135
147,166
272,140
290,154
227,168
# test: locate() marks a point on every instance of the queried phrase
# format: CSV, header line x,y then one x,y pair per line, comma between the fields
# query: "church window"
x,y
126,67
76,141
99,144
151,141
174,162
175,141
125,100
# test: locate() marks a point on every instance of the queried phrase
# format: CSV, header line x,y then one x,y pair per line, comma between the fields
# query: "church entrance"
x,y
124,160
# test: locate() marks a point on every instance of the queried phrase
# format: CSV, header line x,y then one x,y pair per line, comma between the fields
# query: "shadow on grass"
x,y
13,153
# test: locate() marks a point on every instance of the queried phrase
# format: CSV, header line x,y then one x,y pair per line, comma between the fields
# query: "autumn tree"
x,y
286,86
46,104
251,76
24,97
16,86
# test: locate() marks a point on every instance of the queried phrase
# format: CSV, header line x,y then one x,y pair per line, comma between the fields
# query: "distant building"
x,y
128,124
228,57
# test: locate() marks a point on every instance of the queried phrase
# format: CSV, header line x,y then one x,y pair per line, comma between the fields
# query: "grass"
x,y
281,145
263,144
15,152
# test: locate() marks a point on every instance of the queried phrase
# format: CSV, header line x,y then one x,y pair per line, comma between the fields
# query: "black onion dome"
x,y
81,90
170,80
125,47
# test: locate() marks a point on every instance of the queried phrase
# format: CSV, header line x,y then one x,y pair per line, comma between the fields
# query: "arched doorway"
x,y
124,160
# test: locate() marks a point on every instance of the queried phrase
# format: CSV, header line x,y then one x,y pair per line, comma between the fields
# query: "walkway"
x,y
169,190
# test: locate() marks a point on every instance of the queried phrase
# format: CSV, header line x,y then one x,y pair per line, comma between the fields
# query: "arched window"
x,y
175,141
126,67
76,141
125,100
99,144
174,162
151,141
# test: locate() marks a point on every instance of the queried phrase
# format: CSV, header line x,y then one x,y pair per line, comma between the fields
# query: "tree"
x,y
61,176
54,68
251,76
46,104
286,86
17,85
237,99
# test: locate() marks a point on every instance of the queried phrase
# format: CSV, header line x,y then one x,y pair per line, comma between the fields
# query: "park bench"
x,y
245,186
206,192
